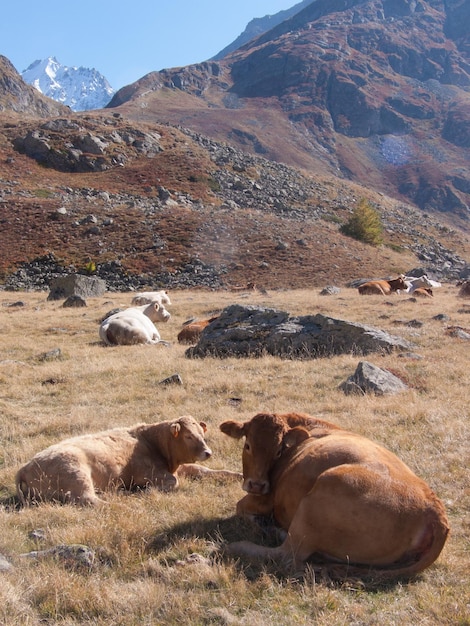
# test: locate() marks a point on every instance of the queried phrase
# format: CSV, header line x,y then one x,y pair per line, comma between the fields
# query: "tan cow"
x,y
191,332
382,287
422,292
147,297
338,495
133,325
121,458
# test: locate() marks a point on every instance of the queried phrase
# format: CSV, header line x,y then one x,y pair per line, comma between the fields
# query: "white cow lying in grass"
x,y
421,282
146,297
134,325
144,455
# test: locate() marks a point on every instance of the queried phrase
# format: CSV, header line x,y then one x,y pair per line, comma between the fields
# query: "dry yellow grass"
x,y
143,540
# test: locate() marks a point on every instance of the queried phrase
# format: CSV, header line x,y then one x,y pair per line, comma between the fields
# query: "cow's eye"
x,y
278,453
247,446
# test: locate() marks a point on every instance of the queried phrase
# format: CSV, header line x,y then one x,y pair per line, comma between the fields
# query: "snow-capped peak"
x,y
80,88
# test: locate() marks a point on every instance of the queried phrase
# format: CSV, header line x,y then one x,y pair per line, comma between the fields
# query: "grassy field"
x,y
142,574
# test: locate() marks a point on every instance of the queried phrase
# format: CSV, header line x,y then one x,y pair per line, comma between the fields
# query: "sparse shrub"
x,y
90,267
43,193
364,224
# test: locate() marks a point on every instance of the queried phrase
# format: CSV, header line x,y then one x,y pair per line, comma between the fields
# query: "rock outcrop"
x,y
252,331
368,378
66,287
376,90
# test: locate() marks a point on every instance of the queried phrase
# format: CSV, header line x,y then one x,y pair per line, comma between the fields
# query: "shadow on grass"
x,y
222,531
9,503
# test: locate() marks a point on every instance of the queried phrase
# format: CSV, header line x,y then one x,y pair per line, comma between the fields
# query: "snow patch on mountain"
x,y
81,88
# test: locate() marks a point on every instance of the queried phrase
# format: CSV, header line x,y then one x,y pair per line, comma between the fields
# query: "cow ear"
x,y
175,429
294,436
203,425
233,429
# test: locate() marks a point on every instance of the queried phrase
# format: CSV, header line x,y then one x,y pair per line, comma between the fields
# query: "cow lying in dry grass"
x,y
133,325
382,287
191,331
422,292
121,458
338,495
147,297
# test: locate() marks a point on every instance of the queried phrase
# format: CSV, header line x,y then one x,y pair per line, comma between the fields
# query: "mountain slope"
x,y
258,26
80,88
153,205
377,91
18,97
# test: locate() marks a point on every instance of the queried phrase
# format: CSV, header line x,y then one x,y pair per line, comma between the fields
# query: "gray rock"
x,y
330,290
459,333
51,355
441,317
254,331
464,291
74,301
75,556
5,565
76,285
174,379
370,378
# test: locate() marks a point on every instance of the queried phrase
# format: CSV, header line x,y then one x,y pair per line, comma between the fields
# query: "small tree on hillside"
x,y
364,224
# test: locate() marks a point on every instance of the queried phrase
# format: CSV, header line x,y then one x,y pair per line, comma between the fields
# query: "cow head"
x,y
157,312
188,441
267,437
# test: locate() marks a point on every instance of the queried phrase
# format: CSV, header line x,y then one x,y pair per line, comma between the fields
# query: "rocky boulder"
x,y
255,331
370,378
464,291
76,285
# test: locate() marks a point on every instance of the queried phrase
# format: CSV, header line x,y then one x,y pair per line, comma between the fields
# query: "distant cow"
x,y
143,455
382,287
421,282
422,292
191,332
338,495
147,297
133,325
251,286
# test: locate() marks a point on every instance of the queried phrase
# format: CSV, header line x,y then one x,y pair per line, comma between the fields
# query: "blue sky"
x,y
125,40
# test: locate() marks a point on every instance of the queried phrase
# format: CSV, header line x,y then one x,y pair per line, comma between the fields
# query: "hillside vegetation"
x,y
176,209
57,380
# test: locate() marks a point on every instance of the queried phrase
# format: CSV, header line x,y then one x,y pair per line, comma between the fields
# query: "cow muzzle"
x,y
256,487
205,454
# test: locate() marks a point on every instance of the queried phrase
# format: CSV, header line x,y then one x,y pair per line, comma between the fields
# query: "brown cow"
x,y
382,287
338,495
191,332
422,292
136,457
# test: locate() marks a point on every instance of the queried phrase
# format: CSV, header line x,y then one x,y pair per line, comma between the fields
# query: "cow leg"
x,y
252,506
82,489
73,488
351,515
165,481
194,470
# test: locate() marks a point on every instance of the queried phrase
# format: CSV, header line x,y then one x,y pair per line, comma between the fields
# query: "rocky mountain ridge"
x,y
80,88
375,91
259,25
18,97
